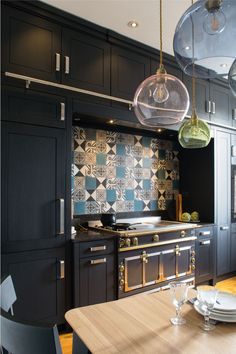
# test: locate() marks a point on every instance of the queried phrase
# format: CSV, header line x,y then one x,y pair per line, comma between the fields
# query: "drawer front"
x,y
205,232
96,248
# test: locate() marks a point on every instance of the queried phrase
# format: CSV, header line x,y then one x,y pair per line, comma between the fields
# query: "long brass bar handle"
x,y
58,62
207,242
98,261
98,248
224,228
204,233
62,216
61,269
67,65
62,118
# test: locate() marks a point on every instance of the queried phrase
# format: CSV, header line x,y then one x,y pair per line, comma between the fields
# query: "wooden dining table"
x,y
141,324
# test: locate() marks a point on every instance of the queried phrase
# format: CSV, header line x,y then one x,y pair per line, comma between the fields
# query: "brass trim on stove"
x,y
154,244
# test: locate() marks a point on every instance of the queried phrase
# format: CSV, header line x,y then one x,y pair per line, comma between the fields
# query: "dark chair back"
x,y
22,338
8,294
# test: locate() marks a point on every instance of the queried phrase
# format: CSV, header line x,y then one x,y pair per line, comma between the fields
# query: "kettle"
x,y
108,219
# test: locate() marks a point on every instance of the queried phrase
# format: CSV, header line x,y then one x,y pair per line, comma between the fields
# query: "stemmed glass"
x,y
179,291
207,296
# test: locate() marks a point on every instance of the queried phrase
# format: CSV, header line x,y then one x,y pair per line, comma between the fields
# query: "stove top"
x,y
142,228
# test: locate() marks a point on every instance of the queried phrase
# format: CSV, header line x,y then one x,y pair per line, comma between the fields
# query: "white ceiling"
x,y
115,14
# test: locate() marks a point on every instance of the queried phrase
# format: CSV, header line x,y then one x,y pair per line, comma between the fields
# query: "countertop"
x,y
85,236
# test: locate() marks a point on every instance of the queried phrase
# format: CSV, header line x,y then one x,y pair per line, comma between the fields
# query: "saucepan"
x,y
108,219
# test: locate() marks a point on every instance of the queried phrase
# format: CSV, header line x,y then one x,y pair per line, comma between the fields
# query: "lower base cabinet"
x,y
38,278
205,255
94,276
233,248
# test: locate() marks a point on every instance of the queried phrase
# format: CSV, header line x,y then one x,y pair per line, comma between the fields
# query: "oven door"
x,y
152,267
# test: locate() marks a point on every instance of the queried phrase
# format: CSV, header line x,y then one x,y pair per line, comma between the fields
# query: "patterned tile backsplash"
x,y
117,172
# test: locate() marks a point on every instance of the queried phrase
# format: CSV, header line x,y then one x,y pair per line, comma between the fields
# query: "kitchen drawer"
x,y
96,248
206,231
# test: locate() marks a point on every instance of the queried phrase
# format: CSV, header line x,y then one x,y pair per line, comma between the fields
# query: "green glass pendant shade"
x,y
194,133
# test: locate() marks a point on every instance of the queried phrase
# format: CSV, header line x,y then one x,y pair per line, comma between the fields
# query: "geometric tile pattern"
x,y
117,172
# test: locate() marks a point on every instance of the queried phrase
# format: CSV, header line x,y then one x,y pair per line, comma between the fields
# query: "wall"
x,y
117,172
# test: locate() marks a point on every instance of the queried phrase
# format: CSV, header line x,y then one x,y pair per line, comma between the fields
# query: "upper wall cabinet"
x,y
128,70
86,62
30,45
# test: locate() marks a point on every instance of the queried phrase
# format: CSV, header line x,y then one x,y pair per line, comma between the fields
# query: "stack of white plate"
x,y
224,310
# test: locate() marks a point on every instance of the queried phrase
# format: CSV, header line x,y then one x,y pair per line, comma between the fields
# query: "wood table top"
x,y
141,324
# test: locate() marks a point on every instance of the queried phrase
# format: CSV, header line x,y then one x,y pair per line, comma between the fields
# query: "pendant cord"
x,y
193,74
161,33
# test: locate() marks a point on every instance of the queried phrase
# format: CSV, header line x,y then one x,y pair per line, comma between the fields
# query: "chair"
x,y
8,294
23,338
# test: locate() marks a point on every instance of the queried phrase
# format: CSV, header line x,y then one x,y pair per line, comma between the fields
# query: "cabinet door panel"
x,y
223,251
169,264
128,70
221,97
40,292
202,96
29,45
33,163
33,107
96,280
204,259
89,62
233,248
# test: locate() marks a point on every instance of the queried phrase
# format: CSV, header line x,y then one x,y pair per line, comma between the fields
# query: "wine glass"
x,y
179,292
207,296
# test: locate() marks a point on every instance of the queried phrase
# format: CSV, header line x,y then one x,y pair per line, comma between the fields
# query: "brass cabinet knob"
x,y
182,233
121,282
135,241
193,266
121,268
121,242
155,238
127,242
193,260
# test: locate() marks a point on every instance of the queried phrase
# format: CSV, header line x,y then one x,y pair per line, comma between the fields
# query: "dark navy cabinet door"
x,y
30,44
39,284
33,182
86,62
221,104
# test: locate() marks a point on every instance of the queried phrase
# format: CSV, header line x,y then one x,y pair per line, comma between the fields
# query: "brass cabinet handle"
x,y
67,65
98,261
204,233
207,242
208,106
213,107
61,269
62,216
58,62
62,118
98,248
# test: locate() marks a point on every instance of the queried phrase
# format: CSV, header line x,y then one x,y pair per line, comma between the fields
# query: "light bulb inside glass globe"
x,y
160,93
232,78
215,19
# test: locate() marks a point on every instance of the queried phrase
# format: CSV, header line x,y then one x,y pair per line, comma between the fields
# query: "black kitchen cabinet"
x,y
33,187
220,97
233,109
38,278
223,201
33,107
94,272
30,45
128,70
205,254
86,61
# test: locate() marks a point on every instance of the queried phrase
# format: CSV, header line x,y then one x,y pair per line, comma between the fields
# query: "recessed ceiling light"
x,y
159,130
133,24
111,121
187,47
224,65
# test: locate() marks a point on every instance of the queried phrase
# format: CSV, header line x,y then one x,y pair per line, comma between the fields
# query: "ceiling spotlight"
x,y
159,130
133,24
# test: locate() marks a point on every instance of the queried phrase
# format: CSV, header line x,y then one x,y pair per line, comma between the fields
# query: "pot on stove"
x,y
108,219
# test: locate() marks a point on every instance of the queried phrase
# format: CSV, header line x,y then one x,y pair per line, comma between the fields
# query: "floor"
x,y
225,285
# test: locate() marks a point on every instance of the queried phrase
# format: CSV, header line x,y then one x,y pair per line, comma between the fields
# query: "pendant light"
x,y
215,33
194,133
161,99
232,78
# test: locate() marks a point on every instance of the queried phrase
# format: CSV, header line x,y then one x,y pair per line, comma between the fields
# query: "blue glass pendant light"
x,y
232,78
161,99
214,23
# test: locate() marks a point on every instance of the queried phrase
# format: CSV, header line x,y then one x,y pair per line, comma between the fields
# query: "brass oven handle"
x,y
98,261
98,248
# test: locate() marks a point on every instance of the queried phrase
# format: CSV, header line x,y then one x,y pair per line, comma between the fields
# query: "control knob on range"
x,y
135,241
155,238
127,242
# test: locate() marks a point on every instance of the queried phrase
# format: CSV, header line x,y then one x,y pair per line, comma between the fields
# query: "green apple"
x,y
186,217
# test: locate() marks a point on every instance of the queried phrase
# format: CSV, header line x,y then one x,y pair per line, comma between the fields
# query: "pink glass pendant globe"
x,y
161,100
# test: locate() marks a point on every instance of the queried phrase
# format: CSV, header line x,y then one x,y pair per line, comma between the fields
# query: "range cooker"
x,y
150,255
